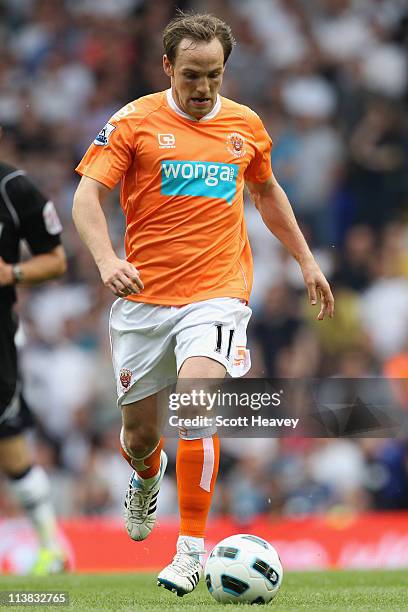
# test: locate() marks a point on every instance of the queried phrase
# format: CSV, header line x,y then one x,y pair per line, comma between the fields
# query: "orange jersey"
x,y
182,183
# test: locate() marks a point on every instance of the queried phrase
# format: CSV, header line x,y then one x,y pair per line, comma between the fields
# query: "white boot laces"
x,y
185,562
138,504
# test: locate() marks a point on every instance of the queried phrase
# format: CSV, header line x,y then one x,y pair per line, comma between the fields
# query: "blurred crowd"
x,y
329,79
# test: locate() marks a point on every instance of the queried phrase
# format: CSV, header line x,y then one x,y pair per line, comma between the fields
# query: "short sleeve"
x,y
39,224
111,153
259,170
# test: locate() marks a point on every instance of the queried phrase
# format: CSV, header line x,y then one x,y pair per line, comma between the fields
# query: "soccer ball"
x,y
243,569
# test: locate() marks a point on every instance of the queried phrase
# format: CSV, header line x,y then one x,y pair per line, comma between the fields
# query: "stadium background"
x,y
329,79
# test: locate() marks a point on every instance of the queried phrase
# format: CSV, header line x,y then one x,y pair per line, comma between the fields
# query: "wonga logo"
x,y
204,179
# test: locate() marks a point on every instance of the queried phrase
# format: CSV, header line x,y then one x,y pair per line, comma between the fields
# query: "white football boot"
x,y
141,503
184,572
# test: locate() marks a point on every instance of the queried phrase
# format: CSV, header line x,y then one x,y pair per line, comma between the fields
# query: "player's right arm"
x,y
118,275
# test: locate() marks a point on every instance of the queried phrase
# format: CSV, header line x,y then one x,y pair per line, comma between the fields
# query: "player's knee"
x,y
140,442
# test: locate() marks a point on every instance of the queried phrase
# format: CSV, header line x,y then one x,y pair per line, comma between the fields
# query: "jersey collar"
x,y
173,105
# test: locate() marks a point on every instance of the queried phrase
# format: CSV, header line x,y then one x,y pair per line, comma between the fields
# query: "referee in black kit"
x,y
25,214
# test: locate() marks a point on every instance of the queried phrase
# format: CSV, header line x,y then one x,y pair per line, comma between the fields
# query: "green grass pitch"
x,y
346,591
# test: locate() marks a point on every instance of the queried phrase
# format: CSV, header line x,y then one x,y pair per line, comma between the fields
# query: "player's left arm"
x,y
277,214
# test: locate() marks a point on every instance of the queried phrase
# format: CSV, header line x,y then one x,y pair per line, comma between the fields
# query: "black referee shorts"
x,y
15,415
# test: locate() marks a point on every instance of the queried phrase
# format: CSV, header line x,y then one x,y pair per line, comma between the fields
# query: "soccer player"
x,y
183,157
25,214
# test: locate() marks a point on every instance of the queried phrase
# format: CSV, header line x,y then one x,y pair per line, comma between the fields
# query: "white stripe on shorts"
x,y
208,464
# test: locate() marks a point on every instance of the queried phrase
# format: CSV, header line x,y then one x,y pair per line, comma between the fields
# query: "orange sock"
x,y
145,467
197,469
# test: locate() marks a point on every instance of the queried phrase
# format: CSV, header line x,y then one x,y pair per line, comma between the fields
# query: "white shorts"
x,y
150,343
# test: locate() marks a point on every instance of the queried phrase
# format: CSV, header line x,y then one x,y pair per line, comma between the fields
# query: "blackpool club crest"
x,y
236,144
125,377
